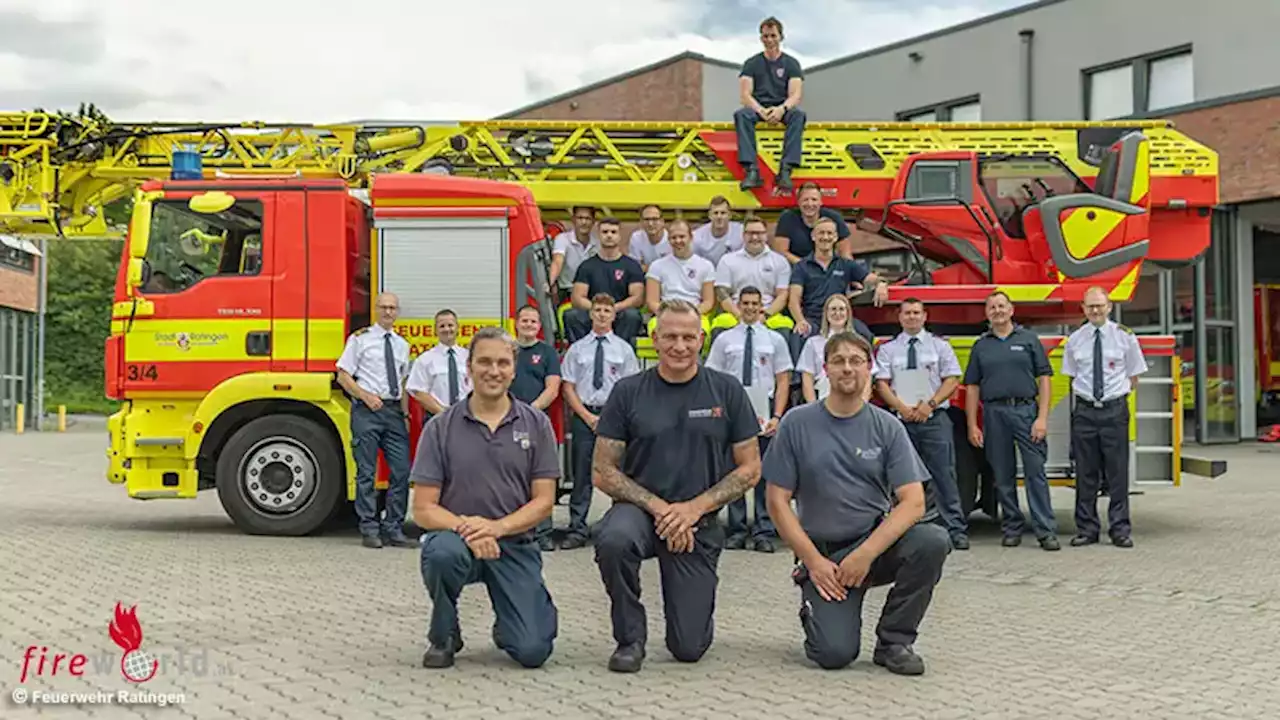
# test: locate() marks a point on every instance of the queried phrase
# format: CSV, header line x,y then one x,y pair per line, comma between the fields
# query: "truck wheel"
x,y
280,475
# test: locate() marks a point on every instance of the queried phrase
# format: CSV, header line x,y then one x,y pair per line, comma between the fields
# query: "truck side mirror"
x,y
139,272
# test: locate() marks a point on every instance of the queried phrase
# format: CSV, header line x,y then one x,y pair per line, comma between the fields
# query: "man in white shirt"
x,y
721,235
916,373
753,265
758,358
1103,360
439,376
571,247
372,369
681,276
591,367
649,241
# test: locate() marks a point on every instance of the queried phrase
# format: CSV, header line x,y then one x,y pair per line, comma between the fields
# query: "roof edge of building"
x,y
976,22
686,55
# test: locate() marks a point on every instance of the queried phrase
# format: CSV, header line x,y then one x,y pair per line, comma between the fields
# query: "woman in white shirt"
x,y
836,314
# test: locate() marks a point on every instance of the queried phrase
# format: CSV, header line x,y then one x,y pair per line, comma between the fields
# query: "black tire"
x,y
297,462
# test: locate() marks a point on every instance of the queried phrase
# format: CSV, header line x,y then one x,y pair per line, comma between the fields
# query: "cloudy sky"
x,y
298,61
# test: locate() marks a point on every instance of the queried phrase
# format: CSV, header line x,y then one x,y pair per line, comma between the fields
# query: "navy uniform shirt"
x,y
1008,368
534,364
769,78
791,226
611,277
818,284
484,473
679,436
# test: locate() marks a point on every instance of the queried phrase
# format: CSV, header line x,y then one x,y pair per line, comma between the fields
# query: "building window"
x,y
14,255
963,110
1139,85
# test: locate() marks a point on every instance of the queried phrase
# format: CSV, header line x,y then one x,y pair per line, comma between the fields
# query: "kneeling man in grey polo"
x,y
484,476
859,487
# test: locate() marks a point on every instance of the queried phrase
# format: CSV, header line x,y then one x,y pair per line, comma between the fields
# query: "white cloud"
x,y
326,60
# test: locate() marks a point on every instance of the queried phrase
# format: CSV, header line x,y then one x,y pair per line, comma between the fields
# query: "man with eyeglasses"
x,y
1103,360
845,462
372,370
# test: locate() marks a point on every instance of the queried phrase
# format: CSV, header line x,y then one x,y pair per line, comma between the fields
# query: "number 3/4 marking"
x,y
142,372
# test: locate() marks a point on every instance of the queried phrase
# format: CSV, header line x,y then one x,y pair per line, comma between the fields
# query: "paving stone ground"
x,y
1182,626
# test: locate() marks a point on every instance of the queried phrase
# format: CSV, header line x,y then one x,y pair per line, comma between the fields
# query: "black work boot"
x,y
442,657
752,180
783,180
627,658
899,659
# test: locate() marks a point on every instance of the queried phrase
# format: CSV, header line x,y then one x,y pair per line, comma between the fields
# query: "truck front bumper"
x,y
149,447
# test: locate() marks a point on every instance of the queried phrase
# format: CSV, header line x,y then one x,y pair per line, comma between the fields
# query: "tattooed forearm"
x,y
606,474
739,480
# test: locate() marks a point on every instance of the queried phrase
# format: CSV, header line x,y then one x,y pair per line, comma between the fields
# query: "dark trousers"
x,y
1005,427
626,325
525,617
744,122
763,527
625,538
934,442
1100,442
581,448
386,429
913,565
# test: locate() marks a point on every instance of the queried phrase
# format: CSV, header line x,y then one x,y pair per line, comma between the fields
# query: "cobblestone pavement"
x,y
1182,626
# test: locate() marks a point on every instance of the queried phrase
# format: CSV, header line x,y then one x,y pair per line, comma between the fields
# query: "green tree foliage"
x,y
82,275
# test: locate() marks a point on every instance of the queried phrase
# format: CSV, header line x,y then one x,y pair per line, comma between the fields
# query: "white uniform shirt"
x,y
430,373
770,351
769,272
713,248
682,279
574,253
811,361
1121,359
933,354
364,358
645,252
580,362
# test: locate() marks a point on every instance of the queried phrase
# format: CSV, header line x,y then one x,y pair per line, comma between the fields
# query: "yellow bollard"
x,y
21,419
62,418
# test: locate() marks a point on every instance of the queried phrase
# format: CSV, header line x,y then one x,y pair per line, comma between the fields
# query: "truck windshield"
x,y
186,246
1013,184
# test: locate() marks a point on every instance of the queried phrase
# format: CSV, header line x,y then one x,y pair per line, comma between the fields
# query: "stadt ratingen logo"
x,y
136,665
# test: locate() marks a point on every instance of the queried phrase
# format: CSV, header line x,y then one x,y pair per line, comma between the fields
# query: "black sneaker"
x,y
899,659
402,541
960,542
627,658
546,544
1050,543
1011,540
1122,541
572,542
1081,540
764,545
371,541
437,657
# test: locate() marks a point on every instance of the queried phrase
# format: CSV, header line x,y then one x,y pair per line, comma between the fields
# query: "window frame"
x,y
942,110
255,202
1140,66
17,265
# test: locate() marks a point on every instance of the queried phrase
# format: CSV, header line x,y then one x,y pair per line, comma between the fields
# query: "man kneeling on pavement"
x,y
845,462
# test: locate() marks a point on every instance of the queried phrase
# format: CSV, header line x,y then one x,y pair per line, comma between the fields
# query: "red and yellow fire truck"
x,y
242,277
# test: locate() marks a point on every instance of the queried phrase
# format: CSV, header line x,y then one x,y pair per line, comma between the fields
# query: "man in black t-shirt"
x,y
793,235
610,272
770,87
537,382
663,447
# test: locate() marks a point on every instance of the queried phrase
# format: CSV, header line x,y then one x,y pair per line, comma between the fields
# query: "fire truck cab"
x,y
235,298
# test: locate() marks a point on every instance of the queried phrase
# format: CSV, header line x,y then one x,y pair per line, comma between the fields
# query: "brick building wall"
x,y
671,90
20,289
1246,135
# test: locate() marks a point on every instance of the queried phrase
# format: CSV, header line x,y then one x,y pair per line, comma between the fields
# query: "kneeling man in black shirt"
x,y
845,462
663,443
486,472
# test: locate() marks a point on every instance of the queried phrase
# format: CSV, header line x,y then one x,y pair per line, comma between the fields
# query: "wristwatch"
x,y
933,403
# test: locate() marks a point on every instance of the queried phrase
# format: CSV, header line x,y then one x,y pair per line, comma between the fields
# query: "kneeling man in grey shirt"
x,y
846,462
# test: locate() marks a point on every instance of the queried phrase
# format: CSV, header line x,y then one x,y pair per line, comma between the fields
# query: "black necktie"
x,y
597,375
1097,364
388,356
453,377
911,353
746,359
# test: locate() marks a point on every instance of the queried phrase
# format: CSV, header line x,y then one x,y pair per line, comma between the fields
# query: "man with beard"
x,y
485,476
859,487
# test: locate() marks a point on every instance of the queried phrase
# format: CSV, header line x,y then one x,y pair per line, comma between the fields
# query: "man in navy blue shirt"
x,y
822,274
770,87
793,235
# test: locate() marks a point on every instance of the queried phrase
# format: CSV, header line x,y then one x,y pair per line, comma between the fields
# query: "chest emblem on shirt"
x,y
535,359
868,454
712,412
617,274
690,273
521,437
780,71
1017,348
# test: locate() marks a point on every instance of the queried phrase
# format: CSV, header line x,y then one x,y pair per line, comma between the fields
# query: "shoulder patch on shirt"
x,y
1126,328
361,331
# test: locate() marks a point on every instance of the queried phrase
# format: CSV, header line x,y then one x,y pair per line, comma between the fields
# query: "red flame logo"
x,y
136,665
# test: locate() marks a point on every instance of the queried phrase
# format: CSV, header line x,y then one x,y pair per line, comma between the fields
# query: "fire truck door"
x,y
209,286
